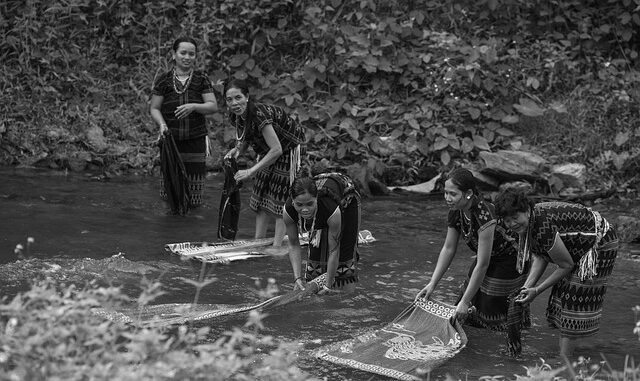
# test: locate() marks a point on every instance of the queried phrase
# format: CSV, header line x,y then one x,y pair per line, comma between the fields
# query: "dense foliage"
x,y
388,84
49,333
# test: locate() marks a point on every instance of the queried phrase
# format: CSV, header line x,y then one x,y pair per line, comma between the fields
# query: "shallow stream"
x,y
114,232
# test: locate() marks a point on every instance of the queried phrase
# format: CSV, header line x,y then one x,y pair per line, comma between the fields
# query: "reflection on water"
x,y
113,233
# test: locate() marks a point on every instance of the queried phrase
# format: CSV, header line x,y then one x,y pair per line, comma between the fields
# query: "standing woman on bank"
x,y
277,139
583,246
493,275
327,208
180,100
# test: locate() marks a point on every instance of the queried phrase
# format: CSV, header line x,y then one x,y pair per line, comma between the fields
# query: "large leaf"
x,y
481,143
621,138
529,108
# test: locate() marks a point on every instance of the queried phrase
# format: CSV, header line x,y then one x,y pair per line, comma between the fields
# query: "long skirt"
x,y
491,300
193,155
347,271
271,186
575,306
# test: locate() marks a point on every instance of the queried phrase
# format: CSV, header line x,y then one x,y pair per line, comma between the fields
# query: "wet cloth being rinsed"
x,y
229,212
175,180
422,336
180,313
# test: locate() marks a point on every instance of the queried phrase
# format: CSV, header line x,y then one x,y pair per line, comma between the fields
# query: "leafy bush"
x,y
383,82
50,333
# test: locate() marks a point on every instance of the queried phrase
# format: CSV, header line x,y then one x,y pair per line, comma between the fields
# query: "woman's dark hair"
x,y
244,89
302,185
463,179
176,43
237,84
511,201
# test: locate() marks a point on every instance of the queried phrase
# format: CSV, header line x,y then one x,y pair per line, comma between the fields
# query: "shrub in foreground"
x,y
50,333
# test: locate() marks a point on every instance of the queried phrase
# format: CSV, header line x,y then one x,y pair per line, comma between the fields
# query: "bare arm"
x,y
209,105
275,151
485,246
156,114
334,226
295,256
447,253
561,257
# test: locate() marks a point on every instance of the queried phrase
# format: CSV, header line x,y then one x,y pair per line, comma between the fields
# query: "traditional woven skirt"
x,y
271,186
347,271
575,306
193,154
491,300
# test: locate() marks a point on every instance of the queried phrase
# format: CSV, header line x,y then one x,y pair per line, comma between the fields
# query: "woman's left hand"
x,y
462,310
184,110
526,295
242,175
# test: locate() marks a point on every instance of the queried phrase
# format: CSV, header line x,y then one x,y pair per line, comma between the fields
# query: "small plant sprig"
x,y
24,252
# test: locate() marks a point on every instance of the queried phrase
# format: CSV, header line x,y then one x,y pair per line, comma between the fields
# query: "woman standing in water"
x,y
584,247
493,275
180,100
327,209
277,139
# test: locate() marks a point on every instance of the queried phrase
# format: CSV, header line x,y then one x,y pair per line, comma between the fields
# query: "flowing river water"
x,y
114,232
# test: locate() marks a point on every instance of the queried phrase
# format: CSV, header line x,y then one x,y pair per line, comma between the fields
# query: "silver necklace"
x,y
185,85
240,137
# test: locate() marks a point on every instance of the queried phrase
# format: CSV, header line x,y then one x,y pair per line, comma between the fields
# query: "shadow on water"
x,y
113,233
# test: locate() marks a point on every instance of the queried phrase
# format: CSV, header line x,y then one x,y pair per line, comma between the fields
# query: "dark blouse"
x,y
482,216
574,222
194,125
288,130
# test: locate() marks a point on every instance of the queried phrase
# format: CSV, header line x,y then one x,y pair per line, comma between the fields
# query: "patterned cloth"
x,y
421,337
575,305
190,132
193,156
335,192
501,279
271,186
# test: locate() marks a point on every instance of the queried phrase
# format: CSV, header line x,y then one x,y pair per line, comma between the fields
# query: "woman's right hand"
x,y
233,153
425,292
163,129
299,284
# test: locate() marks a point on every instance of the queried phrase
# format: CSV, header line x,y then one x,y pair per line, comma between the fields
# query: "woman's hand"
x,y
526,295
184,110
243,175
462,311
163,130
232,154
425,292
299,284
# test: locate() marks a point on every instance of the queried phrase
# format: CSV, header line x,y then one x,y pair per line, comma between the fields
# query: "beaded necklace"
x,y
240,137
467,231
314,240
186,84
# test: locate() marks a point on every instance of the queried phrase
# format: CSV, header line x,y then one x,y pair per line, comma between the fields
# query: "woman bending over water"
x,y
327,208
278,140
493,275
584,247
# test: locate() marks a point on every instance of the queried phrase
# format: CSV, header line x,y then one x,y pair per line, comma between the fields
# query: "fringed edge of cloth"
x,y
587,267
294,163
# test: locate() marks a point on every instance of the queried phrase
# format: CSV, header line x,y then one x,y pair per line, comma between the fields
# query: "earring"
x,y
468,197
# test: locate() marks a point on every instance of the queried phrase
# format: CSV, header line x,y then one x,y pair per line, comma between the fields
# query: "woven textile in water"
x,y
421,337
